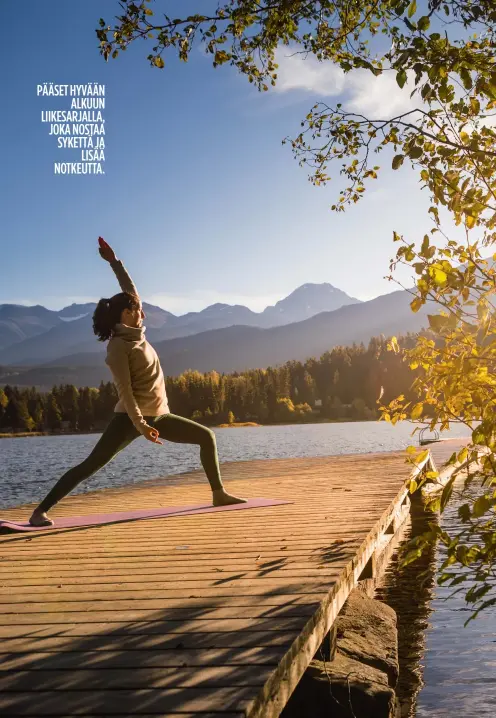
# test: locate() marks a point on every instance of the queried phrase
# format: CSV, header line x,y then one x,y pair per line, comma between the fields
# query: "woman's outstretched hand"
x,y
152,435
106,251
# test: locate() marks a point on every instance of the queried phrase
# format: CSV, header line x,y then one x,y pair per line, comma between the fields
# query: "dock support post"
x,y
328,646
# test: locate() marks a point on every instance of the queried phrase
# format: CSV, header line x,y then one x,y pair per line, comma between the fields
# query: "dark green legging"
x,y
121,432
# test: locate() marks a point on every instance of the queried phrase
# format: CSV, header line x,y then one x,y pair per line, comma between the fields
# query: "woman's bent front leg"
x,y
118,434
185,431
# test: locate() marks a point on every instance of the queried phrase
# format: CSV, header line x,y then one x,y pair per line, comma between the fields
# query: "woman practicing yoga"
x,y
142,407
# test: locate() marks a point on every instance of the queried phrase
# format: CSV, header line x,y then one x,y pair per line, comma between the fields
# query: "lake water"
x,y
446,669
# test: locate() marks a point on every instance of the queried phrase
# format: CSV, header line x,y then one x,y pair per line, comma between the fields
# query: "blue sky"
x,y
199,199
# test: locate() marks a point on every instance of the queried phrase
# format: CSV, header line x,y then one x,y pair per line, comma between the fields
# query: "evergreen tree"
x,y
17,415
3,407
54,415
87,400
69,405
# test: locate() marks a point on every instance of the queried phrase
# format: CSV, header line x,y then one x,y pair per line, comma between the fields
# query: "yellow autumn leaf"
x,y
417,411
438,275
422,456
416,304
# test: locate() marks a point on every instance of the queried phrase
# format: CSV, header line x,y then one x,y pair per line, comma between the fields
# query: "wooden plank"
x,y
112,612
122,702
193,590
27,567
112,574
223,546
103,678
144,628
327,546
163,641
214,544
249,606
171,577
180,658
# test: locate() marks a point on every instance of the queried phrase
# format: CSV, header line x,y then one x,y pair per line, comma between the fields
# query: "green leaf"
x,y
447,491
459,579
415,152
424,23
478,436
397,161
481,506
401,78
475,105
464,512
466,78
412,8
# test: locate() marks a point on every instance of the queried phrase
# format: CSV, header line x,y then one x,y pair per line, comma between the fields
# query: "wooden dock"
x,y
205,615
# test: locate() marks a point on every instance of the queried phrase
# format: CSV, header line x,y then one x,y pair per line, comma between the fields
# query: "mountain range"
x,y
34,335
41,347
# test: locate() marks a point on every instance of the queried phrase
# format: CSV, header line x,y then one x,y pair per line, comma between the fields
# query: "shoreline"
x,y
235,425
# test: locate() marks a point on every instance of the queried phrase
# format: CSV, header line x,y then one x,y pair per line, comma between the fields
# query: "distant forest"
x,y
344,384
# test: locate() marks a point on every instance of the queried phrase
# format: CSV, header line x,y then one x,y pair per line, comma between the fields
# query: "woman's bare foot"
x,y
220,497
39,518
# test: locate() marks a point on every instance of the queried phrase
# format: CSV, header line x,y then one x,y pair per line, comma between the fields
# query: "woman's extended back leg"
x,y
119,433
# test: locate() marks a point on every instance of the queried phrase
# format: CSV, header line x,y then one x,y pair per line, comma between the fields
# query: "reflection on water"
x,y
459,663
445,668
409,591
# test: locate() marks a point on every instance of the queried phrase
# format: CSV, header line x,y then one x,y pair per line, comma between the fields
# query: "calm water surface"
x,y
460,663
447,669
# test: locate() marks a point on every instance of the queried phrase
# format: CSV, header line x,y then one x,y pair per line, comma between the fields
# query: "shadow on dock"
x,y
159,665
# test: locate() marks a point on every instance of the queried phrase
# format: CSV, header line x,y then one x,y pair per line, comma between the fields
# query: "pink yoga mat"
x,y
99,519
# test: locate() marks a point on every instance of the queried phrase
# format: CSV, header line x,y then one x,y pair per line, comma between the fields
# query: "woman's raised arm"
x,y
125,281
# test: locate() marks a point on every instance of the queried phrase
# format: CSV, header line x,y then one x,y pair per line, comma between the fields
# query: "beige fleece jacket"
x,y
135,366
